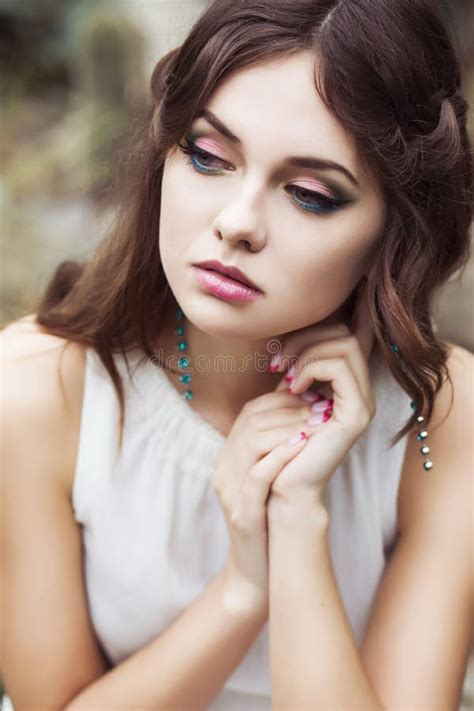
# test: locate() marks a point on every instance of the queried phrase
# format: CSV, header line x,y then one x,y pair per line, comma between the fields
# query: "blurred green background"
x,y
74,77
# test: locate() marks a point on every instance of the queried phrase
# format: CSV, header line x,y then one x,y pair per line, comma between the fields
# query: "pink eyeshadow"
x,y
208,144
313,185
212,146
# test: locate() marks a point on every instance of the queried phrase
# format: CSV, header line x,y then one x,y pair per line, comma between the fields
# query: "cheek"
x,y
316,284
324,266
175,210
169,230
184,213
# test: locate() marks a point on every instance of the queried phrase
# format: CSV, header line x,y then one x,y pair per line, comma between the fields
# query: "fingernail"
x,y
290,374
321,406
315,419
310,396
320,417
297,438
275,362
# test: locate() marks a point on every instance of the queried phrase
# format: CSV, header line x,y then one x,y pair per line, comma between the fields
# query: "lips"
x,y
228,271
224,287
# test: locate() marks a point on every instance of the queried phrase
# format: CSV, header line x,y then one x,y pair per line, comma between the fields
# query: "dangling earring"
x,y
184,361
423,434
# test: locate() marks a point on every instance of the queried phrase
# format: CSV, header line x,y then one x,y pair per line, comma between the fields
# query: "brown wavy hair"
x,y
389,71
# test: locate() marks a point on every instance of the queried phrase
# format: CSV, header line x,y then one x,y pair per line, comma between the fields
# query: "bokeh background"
x,y
74,79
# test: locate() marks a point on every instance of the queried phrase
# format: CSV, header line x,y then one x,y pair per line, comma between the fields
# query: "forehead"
x,y
276,103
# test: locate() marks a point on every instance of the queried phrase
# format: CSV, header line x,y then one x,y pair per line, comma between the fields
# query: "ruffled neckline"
x,y
149,372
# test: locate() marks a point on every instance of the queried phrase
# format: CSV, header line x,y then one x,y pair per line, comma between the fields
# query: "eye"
x,y
200,160
308,200
312,201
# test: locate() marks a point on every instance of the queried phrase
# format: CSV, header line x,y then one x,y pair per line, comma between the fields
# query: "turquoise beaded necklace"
x,y
186,378
183,362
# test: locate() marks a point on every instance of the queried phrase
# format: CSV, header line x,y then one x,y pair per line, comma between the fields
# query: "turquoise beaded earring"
x,y
423,434
183,362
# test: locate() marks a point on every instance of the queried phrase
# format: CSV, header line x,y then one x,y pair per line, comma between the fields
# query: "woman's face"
x,y
305,235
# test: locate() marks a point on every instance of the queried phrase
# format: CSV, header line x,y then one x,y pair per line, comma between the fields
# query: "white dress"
x,y
154,532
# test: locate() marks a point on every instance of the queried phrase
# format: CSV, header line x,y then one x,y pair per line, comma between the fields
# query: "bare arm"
x,y
424,604
50,656
186,666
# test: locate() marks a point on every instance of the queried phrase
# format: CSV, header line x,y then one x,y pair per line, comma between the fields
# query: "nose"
x,y
238,223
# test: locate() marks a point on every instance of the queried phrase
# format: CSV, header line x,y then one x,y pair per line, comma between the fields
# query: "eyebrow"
x,y
294,161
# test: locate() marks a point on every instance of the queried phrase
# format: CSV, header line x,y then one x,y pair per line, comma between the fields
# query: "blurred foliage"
x,y
73,83
34,47
77,83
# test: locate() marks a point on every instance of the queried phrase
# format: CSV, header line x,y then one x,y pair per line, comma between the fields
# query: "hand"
x,y
339,357
253,454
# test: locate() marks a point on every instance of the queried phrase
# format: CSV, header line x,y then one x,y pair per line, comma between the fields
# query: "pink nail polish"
x,y
320,406
315,419
275,362
319,417
297,438
310,396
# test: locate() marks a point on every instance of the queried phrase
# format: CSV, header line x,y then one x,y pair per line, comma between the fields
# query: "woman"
x,y
255,536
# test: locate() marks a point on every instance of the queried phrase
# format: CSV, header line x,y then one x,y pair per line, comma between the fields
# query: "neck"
x,y
226,372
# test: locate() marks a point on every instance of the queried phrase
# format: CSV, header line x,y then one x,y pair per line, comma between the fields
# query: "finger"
x,y
271,401
286,380
282,417
261,443
348,348
317,390
295,343
349,403
257,485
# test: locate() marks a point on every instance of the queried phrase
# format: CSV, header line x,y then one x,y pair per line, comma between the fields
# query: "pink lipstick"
x,y
224,287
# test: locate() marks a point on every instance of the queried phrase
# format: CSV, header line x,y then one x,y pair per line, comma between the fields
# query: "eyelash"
x,y
327,205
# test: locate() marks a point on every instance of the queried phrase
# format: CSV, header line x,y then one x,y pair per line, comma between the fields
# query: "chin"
x,y
218,323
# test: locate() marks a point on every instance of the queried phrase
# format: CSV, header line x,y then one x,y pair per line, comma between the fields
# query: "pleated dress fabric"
x,y
153,529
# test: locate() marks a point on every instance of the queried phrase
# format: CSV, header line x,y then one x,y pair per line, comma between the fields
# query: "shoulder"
x,y
451,449
418,638
42,566
42,390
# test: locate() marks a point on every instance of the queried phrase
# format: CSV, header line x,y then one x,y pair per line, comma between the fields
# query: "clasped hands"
x,y
335,357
